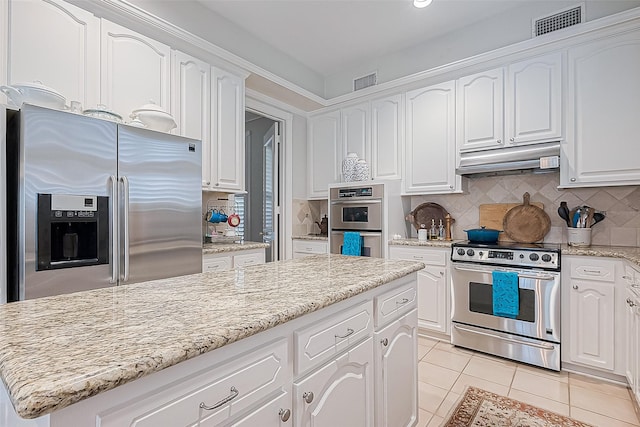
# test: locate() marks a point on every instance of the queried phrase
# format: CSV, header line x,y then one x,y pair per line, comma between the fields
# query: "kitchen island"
x,y
65,355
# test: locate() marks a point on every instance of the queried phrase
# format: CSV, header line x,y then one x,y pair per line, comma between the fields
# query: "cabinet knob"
x,y
308,396
384,342
512,139
575,286
208,182
499,141
572,180
285,414
442,273
630,302
217,184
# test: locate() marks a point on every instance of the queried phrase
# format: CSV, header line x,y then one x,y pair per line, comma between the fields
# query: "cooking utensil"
x,y
233,220
526,223
589,220
597,217
483,235
563,211
425,212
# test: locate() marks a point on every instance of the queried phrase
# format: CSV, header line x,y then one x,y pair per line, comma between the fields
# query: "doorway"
x,y
262,222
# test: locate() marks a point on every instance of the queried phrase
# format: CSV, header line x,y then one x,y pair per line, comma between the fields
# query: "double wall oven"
x,y
533,336
357,209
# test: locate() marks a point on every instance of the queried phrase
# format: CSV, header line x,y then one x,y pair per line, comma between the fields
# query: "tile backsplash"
x,y
305,215
621,227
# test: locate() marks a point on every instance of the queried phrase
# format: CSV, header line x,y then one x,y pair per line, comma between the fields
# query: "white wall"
x,y
299,185
499,31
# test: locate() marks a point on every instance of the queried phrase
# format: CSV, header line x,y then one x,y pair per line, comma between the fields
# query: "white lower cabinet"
x,y
303,248
632,320
434,293
229,260
396,358
275,412
338,394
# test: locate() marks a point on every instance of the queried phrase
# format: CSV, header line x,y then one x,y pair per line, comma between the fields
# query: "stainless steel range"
x,y
533,334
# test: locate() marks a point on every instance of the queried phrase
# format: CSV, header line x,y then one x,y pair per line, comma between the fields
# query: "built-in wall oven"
x,y
533,335
357,209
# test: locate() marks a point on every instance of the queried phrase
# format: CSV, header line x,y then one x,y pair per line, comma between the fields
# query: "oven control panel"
x,y
515,257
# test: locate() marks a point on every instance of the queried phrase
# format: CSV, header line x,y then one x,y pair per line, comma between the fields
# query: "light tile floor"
x,y
444,371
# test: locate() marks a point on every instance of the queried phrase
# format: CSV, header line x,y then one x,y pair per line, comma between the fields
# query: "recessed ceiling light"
x,y
421,3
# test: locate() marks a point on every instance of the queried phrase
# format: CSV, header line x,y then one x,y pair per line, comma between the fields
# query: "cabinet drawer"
x,y
427,256
309,247
216,263
330,336
233,388
593,269
245,260
394,303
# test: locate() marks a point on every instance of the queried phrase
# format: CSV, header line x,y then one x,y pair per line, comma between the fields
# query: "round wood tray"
x,y
526,223
424,213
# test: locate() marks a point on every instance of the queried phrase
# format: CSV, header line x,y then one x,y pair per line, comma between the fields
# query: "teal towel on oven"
x,y
352,243
506,302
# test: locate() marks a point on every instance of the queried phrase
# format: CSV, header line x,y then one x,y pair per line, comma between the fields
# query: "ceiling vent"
x,y
366,81
558,20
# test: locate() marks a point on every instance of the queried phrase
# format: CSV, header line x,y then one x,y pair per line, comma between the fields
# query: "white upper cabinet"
x,y
534,100
227,140
386,137
324,146
429,159
57,44
480,110
356,131
135,70
191,104
602,113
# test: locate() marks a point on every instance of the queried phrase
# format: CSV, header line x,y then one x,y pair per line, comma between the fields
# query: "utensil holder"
x,y
579,236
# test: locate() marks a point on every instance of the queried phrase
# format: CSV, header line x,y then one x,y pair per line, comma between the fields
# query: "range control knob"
x,y
546,257
460,251
521,256
534,257
470,252
480,253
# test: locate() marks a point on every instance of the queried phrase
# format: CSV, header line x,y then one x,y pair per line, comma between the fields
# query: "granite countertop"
x,y
321,237
56,351
630,253
217,248
416,242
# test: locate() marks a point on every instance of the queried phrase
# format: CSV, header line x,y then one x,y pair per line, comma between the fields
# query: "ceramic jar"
x,y
348,167
361,172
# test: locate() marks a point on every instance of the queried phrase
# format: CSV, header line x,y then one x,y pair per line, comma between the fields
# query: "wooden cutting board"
x,y
492,215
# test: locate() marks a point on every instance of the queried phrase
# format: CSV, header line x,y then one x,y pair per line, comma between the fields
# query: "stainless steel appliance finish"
x,y
537,156
357,209
152,182
534,335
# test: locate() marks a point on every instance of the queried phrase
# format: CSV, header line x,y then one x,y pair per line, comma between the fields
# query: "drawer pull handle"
x,y
285,414
233,395
384,342
627,277
308,396
404,301
417,257
349,332
592,271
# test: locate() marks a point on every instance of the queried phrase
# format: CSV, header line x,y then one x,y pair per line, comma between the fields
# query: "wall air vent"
x,y
558,20
366,81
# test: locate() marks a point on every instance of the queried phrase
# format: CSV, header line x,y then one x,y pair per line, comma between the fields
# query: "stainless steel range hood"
x,y
538,157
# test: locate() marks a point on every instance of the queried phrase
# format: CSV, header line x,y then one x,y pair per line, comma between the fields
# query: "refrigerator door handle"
x,y
113,235
125,226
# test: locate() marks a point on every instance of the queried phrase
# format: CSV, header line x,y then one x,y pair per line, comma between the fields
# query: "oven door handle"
x,y
356,202
520,276
362,233
532,344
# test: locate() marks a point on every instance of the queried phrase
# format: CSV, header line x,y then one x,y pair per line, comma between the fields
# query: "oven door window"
x,y
481,301
355,214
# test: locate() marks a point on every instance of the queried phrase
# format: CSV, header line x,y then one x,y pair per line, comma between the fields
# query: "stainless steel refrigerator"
x,y
92,203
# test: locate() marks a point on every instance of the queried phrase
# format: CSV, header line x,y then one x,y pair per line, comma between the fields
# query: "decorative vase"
x,y
348,167
361,172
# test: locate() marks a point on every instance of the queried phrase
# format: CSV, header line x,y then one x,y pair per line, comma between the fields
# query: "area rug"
x,y
480,408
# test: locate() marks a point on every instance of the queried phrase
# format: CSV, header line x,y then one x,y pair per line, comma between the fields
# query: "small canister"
x,y
422,233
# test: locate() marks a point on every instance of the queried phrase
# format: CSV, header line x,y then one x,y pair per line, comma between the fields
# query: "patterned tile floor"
x,y
444,371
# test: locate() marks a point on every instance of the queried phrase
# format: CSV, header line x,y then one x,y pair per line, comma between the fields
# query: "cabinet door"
x,y
191,104
430,140
58,44
386,137
591,340
433,305
275,412
339,393
134,70
356,132
534,100
228,131
631,354
216,263
323,153
396,361
602,113
480,110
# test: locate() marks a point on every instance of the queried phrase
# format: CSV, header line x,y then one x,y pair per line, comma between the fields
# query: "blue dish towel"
x,y
352,243
506,301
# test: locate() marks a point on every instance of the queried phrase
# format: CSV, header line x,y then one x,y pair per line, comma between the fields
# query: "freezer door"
x,y
160,179
58,153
